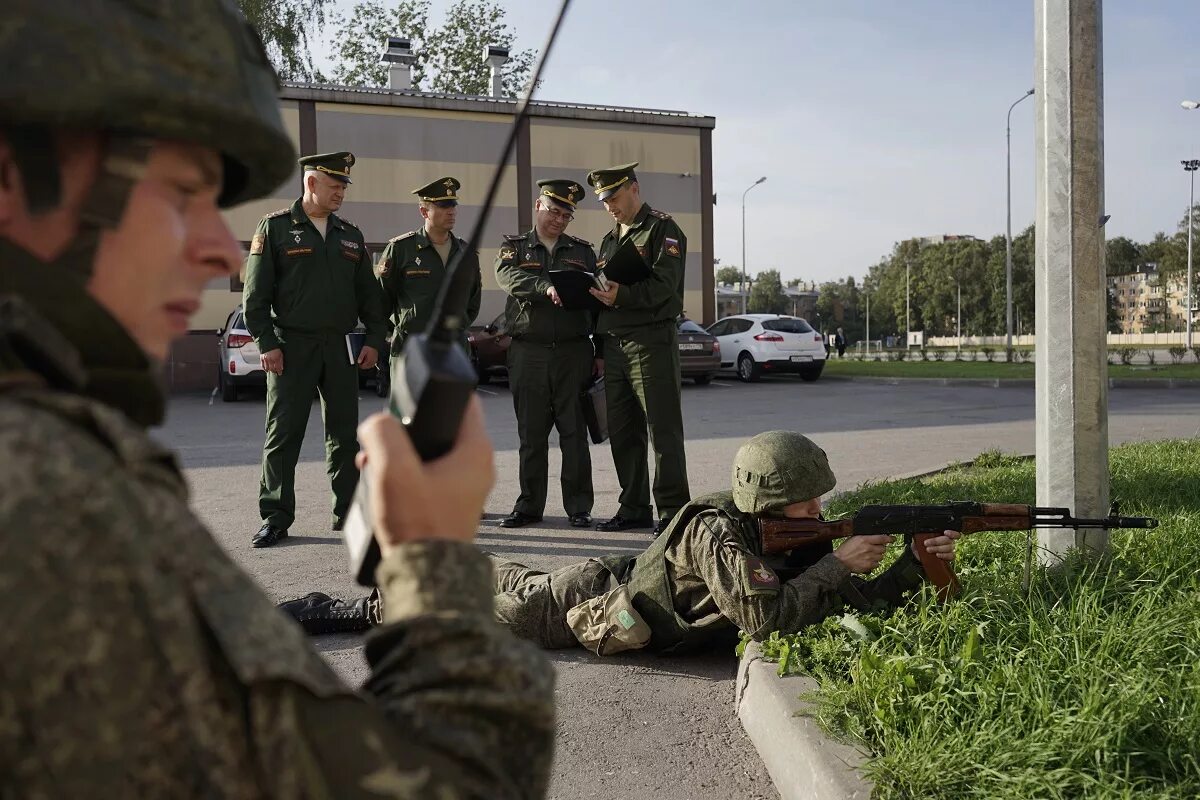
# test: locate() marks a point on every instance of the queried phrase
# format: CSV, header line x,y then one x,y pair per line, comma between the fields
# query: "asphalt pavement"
x,y
632,726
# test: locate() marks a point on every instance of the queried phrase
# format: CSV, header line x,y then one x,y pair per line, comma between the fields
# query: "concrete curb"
x,y
996,383
803,762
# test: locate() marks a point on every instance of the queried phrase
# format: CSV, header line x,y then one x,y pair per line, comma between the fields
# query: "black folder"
x,y
573,285
626,266
595,410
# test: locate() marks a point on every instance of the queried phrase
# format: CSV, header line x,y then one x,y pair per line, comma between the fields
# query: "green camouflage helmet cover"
x,y
778,468
185,70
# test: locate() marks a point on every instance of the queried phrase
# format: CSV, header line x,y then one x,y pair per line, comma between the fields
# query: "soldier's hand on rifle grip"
x,y
440,499
862,554
940,546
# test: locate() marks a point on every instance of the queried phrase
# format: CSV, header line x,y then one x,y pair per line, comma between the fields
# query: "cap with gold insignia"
x,y
564,192
443,192
335,165
607,181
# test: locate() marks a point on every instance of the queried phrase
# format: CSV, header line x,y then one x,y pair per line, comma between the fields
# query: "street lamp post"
x,y
1008,269
1191,166
868,294
744,293
907,326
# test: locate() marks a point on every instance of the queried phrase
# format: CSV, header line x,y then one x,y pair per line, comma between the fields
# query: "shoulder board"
x,y
581,241
402,236
278,213
654,212
348,222
514,237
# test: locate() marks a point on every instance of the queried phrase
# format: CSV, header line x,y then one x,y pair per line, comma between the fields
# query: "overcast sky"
x,y
876,121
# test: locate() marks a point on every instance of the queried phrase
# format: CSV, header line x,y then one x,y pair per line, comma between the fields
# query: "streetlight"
x,y
1008,305
744,294
868,294
1191,166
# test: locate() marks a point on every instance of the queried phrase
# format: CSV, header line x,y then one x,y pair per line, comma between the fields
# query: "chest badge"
x,y
297,238
417,261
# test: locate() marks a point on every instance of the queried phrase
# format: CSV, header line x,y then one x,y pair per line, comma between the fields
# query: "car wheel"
x,y
747,370
703,380
229,389
812,373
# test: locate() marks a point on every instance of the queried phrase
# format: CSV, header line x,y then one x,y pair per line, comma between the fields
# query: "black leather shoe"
x,y
619,523
661,525
338,524
268,535
581,519
518,519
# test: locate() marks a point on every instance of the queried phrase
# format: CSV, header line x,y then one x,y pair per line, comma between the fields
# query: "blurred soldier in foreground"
x,y
309,279
551,357
143,662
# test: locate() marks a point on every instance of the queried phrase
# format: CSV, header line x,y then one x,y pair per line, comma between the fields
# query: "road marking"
x,y
722,385
212,396
485,391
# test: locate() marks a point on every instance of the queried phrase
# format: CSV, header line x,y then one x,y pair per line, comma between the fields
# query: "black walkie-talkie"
x,y
432,379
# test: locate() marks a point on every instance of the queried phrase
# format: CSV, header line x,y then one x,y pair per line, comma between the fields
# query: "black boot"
x,y
318,613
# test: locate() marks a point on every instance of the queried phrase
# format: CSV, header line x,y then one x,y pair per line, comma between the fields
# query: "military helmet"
x,y
778,468
187,70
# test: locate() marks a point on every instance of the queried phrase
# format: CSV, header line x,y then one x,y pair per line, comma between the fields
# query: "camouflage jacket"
x,y
139,661
705,578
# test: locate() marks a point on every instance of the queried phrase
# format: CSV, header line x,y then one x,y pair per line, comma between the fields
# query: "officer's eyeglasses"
x,y
563,216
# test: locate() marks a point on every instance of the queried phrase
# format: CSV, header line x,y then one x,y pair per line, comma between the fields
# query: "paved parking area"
x,y
634,726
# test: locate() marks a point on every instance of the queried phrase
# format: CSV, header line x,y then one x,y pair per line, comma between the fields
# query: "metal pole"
x,y
958,324
907,325
745,294
1008,269
868,324
1190,166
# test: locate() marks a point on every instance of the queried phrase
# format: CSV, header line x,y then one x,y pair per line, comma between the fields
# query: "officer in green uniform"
x,y
551,357
413,265
641,354
706,577
141,661
309,279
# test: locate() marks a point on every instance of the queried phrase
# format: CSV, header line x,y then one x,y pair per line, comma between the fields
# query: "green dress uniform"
x,y
304,292
411,272
549,362
641,358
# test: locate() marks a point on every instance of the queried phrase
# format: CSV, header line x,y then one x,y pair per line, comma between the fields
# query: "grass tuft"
x,y
1087,686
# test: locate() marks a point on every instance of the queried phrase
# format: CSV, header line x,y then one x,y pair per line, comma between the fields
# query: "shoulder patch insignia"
x,y
671,246
654,212
402,236
278,213
506,253
758,577
256,244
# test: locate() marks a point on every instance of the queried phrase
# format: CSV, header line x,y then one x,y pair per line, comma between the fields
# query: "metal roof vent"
x,y
496,57
397,51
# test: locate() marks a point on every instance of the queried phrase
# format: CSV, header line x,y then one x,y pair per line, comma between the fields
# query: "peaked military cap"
x,y
443,192
335,165
562,191
607,181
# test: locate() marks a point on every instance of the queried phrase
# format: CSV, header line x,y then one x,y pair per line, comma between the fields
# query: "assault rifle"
x,y
920,523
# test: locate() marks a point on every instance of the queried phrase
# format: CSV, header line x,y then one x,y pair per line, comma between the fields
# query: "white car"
x,y
239,363
753,344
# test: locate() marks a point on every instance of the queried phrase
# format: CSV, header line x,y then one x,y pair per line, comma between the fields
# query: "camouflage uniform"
x,y
706,577
142,661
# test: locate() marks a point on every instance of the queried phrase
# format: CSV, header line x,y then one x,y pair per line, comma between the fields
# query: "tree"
x,y
766,295
449,58
1122,256
284,26
731,276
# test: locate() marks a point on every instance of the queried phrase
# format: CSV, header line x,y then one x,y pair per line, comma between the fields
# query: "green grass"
x,y
1089,687
987,370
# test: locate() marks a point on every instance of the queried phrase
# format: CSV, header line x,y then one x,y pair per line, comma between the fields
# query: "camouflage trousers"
x,y
533,605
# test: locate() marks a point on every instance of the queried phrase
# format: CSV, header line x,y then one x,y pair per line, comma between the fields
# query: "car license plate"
x,y
801,358
691,346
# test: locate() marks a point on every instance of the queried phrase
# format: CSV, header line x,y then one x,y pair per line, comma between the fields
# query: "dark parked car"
x,y
489,349
699,352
